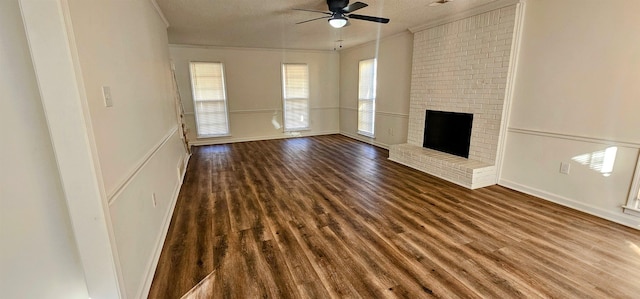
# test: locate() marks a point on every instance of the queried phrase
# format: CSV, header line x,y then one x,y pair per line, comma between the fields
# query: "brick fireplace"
x,y
460,66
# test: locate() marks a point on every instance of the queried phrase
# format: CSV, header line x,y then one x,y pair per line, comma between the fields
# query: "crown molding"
x,y
466,14
235,48
159,11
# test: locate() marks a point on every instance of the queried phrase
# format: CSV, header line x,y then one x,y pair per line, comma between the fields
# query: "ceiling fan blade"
x,y
354,6
311,10
439,2
312,20
369,18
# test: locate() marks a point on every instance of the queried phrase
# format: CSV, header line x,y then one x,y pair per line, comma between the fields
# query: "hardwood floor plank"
x,y
190,251
331,217
402,267
300,268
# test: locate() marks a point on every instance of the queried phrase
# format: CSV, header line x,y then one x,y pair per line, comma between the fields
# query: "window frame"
x,y
373,99
284,98
633,202
195,101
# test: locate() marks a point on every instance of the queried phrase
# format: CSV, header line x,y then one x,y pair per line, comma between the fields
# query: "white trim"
x,y
259,138
323,108
159,11
571,203
249,111
293,131
365,139
213,136
49,29
133,172
633,203
392,114
143,292
613,142
384,113
366,134
495,5
510,85
83,93
249,48
631,211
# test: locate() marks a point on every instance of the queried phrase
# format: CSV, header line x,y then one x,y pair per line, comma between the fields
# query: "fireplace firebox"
x,y
448,132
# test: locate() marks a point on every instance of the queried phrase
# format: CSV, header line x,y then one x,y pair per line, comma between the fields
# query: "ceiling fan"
x,y
340,11
439,2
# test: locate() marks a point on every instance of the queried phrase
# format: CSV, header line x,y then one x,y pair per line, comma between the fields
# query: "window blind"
x,y
295,87
209,99
367,97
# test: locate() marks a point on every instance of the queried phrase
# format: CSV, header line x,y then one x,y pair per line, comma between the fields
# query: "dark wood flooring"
x,y
330,217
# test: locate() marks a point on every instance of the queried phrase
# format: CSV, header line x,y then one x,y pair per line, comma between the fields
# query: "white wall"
x,y
576,93
38,256
254,89
394,55
123,45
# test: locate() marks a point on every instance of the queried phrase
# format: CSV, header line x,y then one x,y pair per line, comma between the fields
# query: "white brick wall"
x,y
468,173
460,67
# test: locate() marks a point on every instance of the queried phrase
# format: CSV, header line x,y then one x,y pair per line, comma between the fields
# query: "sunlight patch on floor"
x,y
634,247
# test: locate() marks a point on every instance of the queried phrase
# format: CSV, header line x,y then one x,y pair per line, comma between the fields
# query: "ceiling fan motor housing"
x,y
337,5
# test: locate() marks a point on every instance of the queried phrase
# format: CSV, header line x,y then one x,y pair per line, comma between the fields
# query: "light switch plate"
x,y
565,167
106,95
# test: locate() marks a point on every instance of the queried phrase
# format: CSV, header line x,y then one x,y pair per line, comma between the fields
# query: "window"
x,y
209,99
295,89
367,97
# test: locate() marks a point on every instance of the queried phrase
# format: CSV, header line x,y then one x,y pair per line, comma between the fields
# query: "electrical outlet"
x,y
106,95
153,199
390,131
565,168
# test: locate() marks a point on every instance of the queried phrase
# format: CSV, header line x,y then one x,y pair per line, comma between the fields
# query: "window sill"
x,y
631,211
372,136
297,130
212,136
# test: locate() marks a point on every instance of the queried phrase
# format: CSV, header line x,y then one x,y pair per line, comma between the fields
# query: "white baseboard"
x,y
365,139
571,203
153,264
258,138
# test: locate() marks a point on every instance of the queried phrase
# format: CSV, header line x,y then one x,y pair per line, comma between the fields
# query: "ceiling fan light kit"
x,y
340,11
337,21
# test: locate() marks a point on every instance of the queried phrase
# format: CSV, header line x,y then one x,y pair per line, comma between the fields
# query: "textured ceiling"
x,y
271,23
